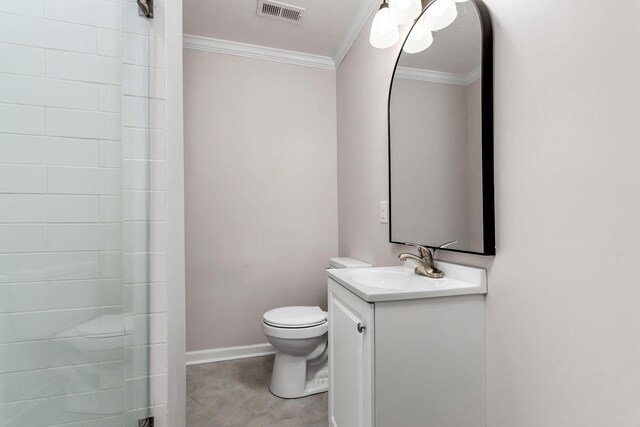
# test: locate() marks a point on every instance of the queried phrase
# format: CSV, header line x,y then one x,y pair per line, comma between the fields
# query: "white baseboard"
x,y
229,353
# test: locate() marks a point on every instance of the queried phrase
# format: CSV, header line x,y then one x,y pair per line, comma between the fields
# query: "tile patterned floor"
x,y
236,394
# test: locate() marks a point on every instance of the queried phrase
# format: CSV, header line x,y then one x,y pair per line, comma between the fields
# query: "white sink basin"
x,y
398,283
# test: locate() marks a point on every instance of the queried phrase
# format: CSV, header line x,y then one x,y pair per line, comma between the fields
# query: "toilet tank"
x,y
343,262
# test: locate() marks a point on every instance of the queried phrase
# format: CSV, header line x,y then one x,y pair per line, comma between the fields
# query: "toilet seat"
x,y
295,317
295,333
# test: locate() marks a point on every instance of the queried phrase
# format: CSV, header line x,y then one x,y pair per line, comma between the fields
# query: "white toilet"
x,y
299,335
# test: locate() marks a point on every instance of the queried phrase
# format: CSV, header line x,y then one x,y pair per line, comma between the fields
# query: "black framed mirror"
x,y
441,131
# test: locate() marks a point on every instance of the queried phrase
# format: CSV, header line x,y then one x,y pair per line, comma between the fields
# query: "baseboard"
x,y
229,353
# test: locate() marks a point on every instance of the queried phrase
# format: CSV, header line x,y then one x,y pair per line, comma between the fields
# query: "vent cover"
x,y
280,11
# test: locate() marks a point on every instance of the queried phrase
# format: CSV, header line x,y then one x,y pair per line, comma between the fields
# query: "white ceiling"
x,y
321,31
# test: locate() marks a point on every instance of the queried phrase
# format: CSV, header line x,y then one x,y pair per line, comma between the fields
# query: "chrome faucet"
x,y
424,261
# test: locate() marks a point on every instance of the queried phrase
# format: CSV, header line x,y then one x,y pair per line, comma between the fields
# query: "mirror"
x,y
441,131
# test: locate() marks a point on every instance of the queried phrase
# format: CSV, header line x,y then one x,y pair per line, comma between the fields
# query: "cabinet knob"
x,y
361,327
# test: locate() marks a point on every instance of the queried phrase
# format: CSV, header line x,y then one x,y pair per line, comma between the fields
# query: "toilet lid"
x,y
295,317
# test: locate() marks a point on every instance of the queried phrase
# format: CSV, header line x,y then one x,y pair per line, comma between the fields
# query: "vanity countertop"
x,y
378,284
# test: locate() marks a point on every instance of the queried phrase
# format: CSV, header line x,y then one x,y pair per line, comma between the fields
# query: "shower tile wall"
x,y
82,210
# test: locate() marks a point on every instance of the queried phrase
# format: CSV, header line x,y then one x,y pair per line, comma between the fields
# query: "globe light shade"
x,y
440,14
404,11
419,38
384,32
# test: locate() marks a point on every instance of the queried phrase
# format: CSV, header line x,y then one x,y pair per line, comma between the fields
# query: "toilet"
x,y
299,336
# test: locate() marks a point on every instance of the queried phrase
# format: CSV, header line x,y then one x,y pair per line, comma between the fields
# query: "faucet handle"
x,y
424,251
446,245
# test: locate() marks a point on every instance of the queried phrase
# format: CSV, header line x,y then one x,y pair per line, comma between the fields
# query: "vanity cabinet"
x,y
409,363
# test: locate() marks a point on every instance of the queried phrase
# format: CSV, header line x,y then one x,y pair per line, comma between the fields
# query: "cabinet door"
x,y
350,359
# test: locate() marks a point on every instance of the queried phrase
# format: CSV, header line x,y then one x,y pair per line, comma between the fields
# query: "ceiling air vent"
x,y
281,11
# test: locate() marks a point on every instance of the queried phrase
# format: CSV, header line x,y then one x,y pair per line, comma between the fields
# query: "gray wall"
x,y
563,322
261,203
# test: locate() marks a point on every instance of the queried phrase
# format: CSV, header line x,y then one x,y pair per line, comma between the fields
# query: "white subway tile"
x,y
110,208
141,50
32,413
82,67
78,350
136,393
86,293
145,267
52,266
75,180
143,81
85,237
109,43
117,421
143,299
40,150
83,124
23,238
21,297
39,32
111,264
144,175
21,119
95,13
110,98
22,7
73,209
131,22
79,407
158,359
23,179
144,237
49,208
143,112
143,144
157,328
111,154
26,385
48,92
23,356
45,324
144,205
21,59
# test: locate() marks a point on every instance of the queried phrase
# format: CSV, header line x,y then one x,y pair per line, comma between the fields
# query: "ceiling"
x,y
320,32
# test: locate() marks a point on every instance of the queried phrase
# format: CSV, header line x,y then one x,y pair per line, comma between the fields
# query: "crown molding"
x,y
358,22
227,47
438,76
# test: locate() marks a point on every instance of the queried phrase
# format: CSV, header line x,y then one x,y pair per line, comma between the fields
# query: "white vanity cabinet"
x,y
351,351
416,362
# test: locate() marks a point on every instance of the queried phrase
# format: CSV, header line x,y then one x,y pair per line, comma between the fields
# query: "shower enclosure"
x,y
81,213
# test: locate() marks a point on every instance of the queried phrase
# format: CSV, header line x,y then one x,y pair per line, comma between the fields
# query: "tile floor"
x,y
236,393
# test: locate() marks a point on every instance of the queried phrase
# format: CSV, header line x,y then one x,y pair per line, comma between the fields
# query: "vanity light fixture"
x,y
440,14
405,11
384,32
420,38
384,28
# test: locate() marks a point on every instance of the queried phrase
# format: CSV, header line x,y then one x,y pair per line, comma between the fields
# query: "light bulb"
x,y
384,32
440,14
404,11
419,39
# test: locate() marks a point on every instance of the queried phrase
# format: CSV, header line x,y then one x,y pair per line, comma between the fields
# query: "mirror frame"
x,y
488,194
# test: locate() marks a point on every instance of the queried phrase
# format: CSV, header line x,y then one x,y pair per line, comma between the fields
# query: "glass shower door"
x,y
75,131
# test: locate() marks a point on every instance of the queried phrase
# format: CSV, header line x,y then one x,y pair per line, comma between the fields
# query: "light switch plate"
x,y
384,212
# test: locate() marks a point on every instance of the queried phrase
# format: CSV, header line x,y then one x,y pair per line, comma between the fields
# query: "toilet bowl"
x,y
299,336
